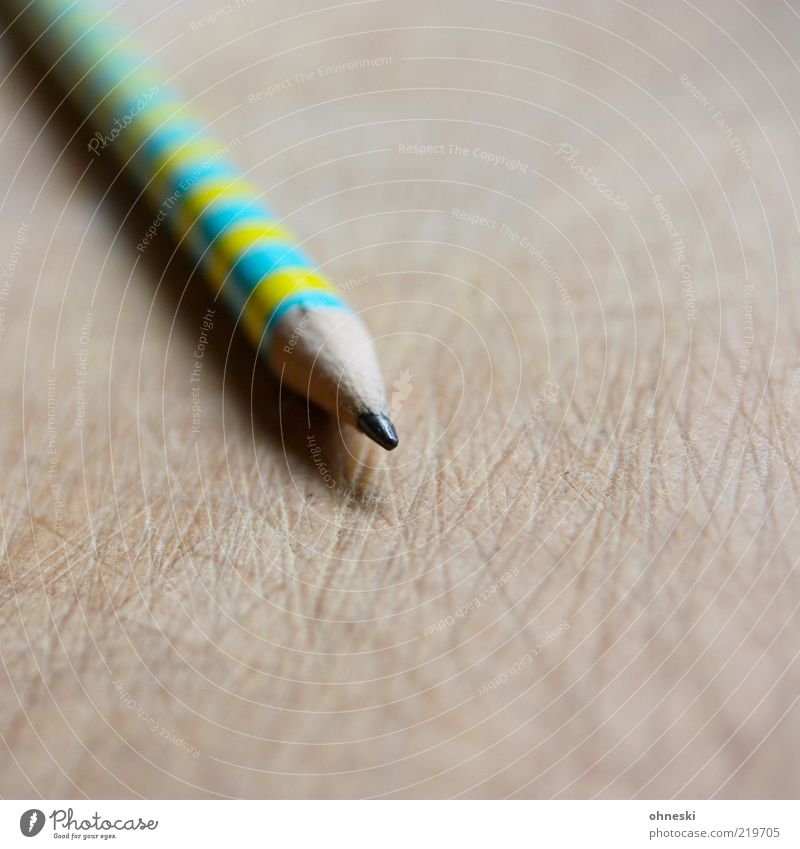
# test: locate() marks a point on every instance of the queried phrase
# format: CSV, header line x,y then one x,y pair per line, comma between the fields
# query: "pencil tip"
x,y
379,429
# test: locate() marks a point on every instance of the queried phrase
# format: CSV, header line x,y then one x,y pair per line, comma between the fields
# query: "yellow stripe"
x,y
202,154
150,120
274,289
234,241
238,237
205,149
198,198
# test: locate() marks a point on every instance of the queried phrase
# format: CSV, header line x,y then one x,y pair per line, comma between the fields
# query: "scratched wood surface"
x,y
573,231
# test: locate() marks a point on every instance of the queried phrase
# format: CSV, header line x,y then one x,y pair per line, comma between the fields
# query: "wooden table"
x,y
573,230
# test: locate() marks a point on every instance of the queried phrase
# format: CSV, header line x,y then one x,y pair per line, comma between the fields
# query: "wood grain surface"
x,y
573,231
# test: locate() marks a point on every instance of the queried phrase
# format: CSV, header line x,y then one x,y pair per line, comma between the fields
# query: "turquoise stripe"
x,y
260,260
191,175
222,203
309,299
173,133
111,66
185,170
214,221
126,97
88,53
252,267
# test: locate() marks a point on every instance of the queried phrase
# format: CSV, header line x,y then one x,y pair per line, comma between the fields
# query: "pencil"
x,y
287,308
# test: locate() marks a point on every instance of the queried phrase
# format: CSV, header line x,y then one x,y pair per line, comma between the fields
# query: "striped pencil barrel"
x,y
249,257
